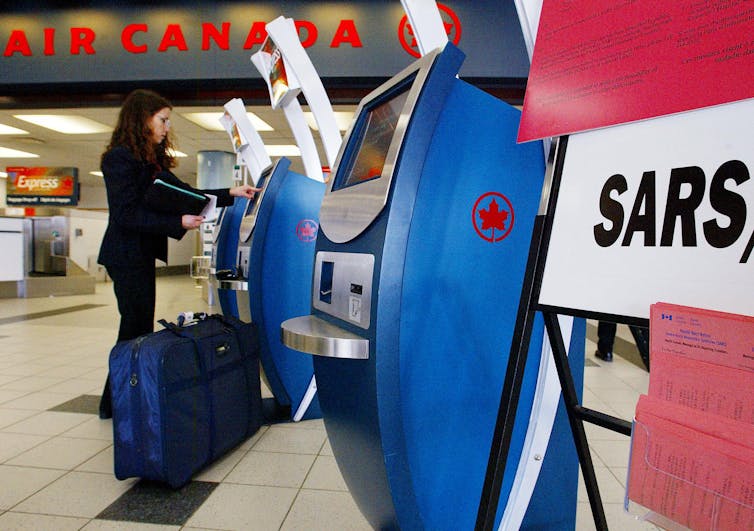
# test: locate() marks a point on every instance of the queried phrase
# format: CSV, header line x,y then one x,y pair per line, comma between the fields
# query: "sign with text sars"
x,y
657,210
598,63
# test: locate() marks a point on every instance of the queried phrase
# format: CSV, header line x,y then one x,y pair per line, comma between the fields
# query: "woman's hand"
x,y
189,221
246,190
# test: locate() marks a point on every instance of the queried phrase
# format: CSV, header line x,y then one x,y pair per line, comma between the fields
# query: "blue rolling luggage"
x,y
183,396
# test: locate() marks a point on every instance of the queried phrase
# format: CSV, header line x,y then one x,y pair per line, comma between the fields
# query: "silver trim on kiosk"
x,y
316,336
348,210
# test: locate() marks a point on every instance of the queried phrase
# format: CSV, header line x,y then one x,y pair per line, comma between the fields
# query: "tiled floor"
x,y
56,454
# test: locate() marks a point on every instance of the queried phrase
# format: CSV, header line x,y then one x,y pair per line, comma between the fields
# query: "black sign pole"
x,y
571,401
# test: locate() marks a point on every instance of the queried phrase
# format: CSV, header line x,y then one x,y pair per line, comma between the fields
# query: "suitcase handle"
x,y
178,329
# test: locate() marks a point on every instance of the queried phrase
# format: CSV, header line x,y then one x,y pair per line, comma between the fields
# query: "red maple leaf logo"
x,y
493,217
306,230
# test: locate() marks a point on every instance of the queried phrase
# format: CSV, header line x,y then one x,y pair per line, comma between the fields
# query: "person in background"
x,y
140,150
606,338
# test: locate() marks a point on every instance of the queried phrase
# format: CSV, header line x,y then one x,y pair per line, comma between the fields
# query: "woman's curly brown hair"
x,y
133,132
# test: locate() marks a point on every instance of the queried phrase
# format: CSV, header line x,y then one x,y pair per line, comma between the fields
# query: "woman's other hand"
x,y
189,221
246,190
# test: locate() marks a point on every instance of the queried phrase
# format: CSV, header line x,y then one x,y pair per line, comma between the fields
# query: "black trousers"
x,y
606,337
135,291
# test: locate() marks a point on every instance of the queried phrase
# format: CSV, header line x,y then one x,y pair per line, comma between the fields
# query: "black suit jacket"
x,y
136,234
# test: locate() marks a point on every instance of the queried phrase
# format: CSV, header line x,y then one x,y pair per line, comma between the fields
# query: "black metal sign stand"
x,y
577,414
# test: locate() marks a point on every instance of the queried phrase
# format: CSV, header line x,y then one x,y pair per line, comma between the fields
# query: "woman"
x,y
140,151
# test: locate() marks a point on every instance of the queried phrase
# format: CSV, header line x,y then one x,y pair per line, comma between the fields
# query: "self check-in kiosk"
x,y
251,161
272,247
277,238
224,253
419,264
274,259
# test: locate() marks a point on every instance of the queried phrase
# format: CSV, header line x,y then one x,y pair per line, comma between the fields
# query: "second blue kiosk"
x,y
271,274
424,235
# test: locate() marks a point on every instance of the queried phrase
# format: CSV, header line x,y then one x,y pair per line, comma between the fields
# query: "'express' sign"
x,y
42,186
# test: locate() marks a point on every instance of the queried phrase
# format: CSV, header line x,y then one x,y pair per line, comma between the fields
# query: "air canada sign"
x,y
135,38
141,37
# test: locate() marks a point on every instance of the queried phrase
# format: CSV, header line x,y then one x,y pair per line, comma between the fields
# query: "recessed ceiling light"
x,y
96,173
211,121
67,124
8,130
176,153
342,118
283,150
8,153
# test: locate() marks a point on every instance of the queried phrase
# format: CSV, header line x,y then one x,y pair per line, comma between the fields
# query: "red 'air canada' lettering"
x,y
346,33
139,38
257,35
127,35
17,43
49,48
81,40
173,37
687,187
310,30
220,37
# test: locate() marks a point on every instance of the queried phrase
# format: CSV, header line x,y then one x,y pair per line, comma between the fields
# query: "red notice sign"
x,y
600,63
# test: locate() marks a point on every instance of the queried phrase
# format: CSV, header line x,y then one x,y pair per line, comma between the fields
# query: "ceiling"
x,y
84,151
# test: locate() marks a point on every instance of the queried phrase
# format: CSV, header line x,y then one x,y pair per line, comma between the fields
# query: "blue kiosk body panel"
x,y
224,251
461,287
411,426
280,275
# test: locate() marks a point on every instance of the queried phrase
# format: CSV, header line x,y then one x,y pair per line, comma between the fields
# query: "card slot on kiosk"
x,y
343,286
325,282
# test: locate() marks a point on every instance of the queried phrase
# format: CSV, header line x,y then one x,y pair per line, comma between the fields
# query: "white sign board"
x,y
659,210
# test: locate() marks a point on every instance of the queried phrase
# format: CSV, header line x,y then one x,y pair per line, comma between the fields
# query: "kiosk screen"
x,y
249,219
374,131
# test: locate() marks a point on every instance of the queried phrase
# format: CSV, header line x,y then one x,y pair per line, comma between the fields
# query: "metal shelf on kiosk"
x,y
316,336
235,285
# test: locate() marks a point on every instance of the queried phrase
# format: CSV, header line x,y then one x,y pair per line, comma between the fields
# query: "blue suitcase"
x,y
183,396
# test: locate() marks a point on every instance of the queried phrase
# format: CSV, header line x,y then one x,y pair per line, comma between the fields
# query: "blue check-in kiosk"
x,y
419,265
224,256
275,257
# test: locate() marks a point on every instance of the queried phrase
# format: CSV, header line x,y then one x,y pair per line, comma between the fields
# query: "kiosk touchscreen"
x,y
420,260
275,257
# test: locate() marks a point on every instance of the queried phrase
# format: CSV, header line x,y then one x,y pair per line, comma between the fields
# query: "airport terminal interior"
x,y
389,312
56,455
